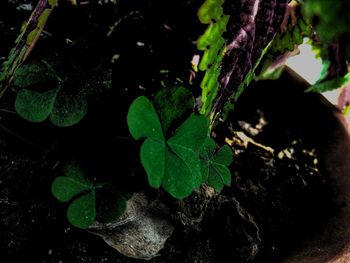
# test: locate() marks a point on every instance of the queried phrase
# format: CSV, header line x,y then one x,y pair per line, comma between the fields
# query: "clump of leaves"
x,y
213,45
43,93
331,42
175,163
37,105
332,17
88,201
297,28
293,31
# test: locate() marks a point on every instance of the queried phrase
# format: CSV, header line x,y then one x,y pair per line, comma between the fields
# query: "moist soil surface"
x,y
279,196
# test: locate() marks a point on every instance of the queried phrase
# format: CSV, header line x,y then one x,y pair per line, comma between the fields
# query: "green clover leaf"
x,y
172,104
214,165
173,164
82,210
86,198
186,142
43,94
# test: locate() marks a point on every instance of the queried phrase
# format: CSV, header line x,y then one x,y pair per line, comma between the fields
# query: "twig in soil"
x,y
8,111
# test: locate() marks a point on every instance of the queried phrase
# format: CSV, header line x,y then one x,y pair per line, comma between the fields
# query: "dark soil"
x,y
275,201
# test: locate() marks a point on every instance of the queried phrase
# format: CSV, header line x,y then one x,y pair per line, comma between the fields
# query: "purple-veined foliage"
x,y
247,35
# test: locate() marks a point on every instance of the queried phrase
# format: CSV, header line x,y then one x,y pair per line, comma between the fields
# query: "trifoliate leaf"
x,y
35,106
143,120
82,211
68,105
175,165
214,165
75,187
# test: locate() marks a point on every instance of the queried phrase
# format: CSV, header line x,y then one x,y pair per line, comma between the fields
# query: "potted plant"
x,y
158,128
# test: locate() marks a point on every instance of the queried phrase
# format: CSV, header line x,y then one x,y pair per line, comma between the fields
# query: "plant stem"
x,y
25,42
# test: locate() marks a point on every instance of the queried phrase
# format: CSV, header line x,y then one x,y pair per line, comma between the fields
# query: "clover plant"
x,y
43,93
181,163
64,109
87,199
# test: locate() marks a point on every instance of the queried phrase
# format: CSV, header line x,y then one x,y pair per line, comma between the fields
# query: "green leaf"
x,y
206,154
191,134
219,175
82,211
75,187
186,142
178,179
330,84
210,36
211,9
210,57
213,45
35,106
293,34
68,110
214,165
65,188
172,104
32,74
175,165
224,156
153,160
69,105
190,158
64,110
143,120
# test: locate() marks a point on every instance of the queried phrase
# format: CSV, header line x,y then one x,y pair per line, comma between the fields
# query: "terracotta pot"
x,y
332,243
